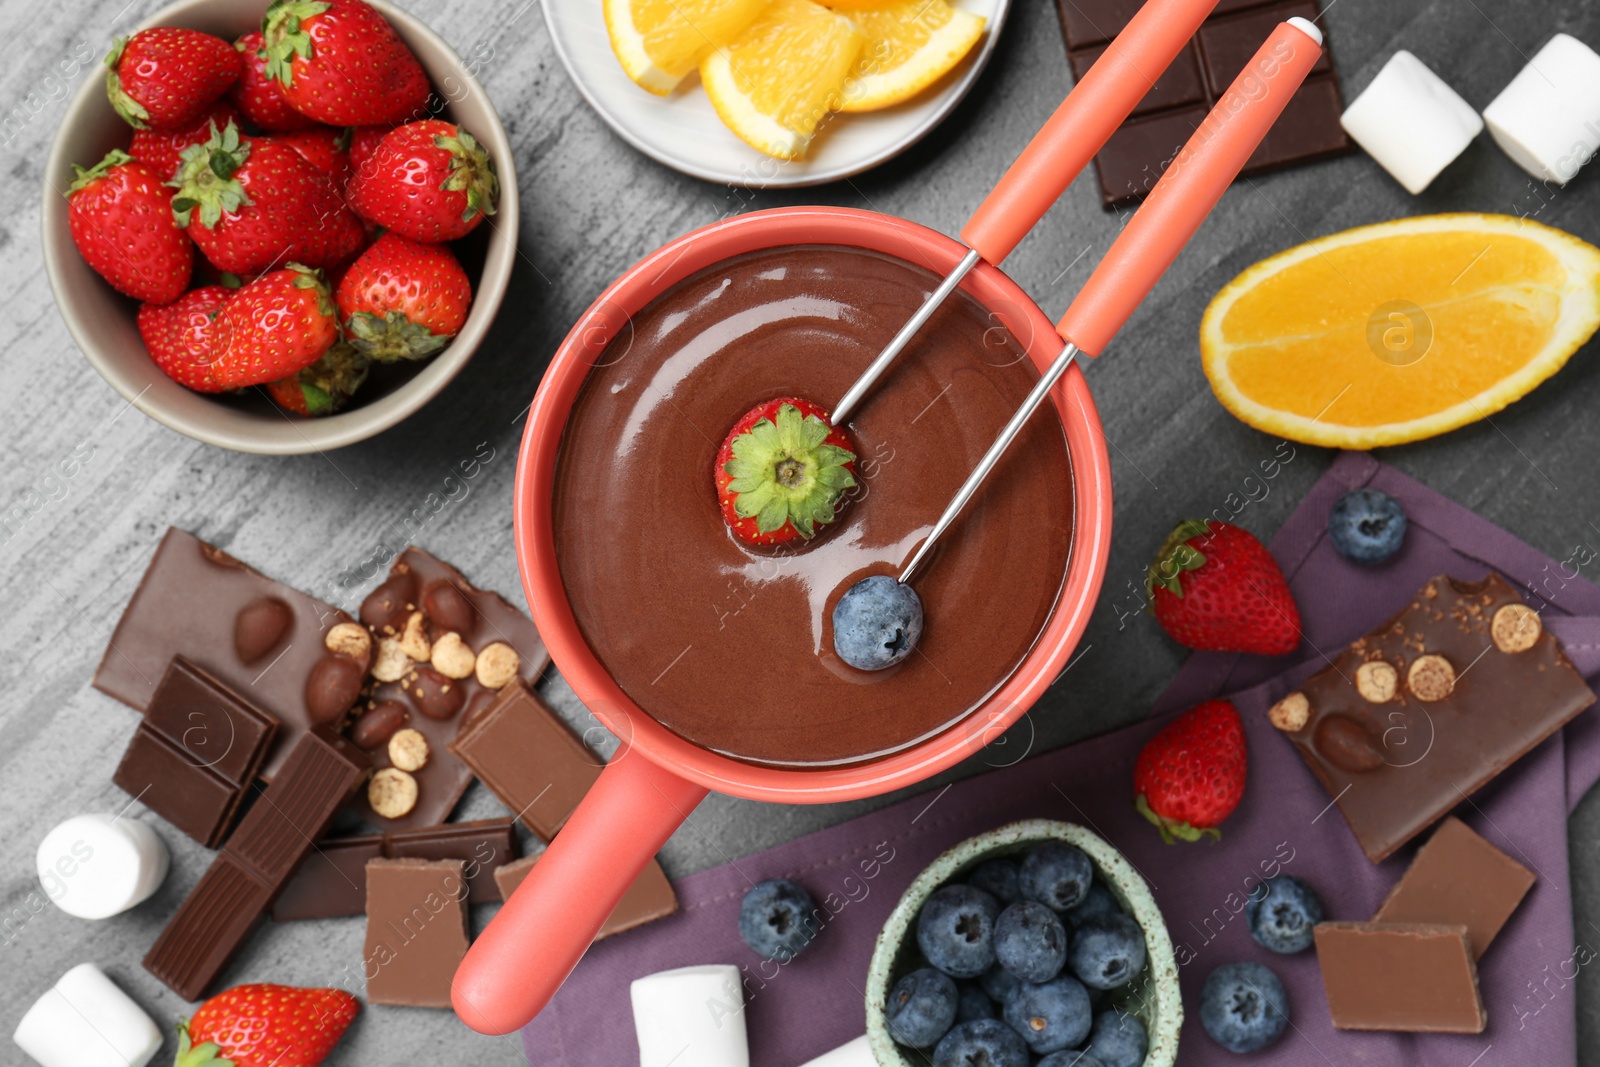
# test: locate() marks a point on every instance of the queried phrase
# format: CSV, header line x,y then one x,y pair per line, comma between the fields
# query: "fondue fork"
x,y
1159,230
1102,99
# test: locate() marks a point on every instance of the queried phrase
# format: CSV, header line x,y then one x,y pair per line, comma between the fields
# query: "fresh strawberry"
x,y
259,97
326,386
782,471
1190,776
341,63
364,142
162,150
403,299
429,181
274,327
165,77
1215,587
252,204
325,147
182,337
120,216
266,1025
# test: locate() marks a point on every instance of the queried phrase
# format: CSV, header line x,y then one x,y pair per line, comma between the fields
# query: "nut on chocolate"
x,y
452,658
1376,681
349,639
498,665
408,750
1431,678
392,792
1515,628
414,642
392,662
1290,713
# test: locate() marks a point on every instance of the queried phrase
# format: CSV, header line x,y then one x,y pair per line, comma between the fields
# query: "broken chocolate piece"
x,y
650,897
1458,878
1463,710
416,930
1406,977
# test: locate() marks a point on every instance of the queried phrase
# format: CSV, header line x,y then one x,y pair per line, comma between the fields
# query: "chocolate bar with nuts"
x,y
442,651
297,659
1413,718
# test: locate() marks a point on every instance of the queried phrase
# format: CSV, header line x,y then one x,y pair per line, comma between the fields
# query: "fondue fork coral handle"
x,y
1159,230
517,963
1103,98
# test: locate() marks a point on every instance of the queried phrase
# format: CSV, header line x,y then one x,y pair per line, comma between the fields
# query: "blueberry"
x,y
777,919
1050,1016
981,1043
972,1003
1056,874
1367,525
1107,952
1095,903
956,930
921,1007
1118,1039
1070,1057
998,983
998,878
876,623
1281,918
1243,1007
1030,942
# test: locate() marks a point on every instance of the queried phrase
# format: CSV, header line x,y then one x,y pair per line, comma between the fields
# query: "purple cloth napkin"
x,y
857,870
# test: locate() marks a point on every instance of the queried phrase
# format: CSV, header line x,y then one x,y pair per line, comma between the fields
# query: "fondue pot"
x,y
657,777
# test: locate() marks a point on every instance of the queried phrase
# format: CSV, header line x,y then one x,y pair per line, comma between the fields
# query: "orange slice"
x,y
658,42
910,46
1399,331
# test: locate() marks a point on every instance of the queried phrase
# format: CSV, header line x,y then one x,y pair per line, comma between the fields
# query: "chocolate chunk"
x,y
256,861
333,686
259,628
436,696
444,778
449,609
1473,725
416,930
650,896
1458,878
195,754
1405,977
188,604
1347,744
386,608
377,724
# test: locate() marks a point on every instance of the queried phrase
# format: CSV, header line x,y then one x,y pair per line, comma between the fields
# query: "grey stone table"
x,y
73,548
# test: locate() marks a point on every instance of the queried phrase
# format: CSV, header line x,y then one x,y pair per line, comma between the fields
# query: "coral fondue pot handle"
x,y
1086,119
528,949
1191,186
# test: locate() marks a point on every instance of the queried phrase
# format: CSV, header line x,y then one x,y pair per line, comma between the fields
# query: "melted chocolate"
x,y
731,646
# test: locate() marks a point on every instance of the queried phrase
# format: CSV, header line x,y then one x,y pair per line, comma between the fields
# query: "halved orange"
x,y
1401,330
910,45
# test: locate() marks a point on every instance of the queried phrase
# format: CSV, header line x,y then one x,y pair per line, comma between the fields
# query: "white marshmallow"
x,y
1548,119
692,1015
1411,122
855,1053
84,1020
97,866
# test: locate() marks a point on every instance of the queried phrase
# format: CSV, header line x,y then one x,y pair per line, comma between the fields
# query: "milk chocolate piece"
x,y
1408,977
436,706
649,898
189,603
416,930
256,861
1458,878
194,756
528,758
1137,154
332,881
1396,767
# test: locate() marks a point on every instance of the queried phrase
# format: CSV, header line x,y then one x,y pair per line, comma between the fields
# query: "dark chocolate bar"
x,y
416,930
1136,155
194,756
256,861
332,881
257,637
430,627
1412,719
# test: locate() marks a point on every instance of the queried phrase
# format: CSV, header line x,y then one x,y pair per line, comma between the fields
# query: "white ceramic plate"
x,y
683,131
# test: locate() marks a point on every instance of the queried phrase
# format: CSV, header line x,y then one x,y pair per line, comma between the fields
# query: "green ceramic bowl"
x,y
1153,996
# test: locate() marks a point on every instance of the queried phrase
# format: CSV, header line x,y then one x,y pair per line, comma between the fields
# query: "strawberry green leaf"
x,y
132,112
392,338
784,471
205,178
205,1054
471,172
85,175
283,37
1175,557
1173,831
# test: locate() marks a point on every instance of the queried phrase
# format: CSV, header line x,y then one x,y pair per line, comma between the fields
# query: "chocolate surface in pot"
x,y
730,646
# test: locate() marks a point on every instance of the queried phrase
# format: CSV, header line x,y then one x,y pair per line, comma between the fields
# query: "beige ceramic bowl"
x,y
102,321
1153,996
